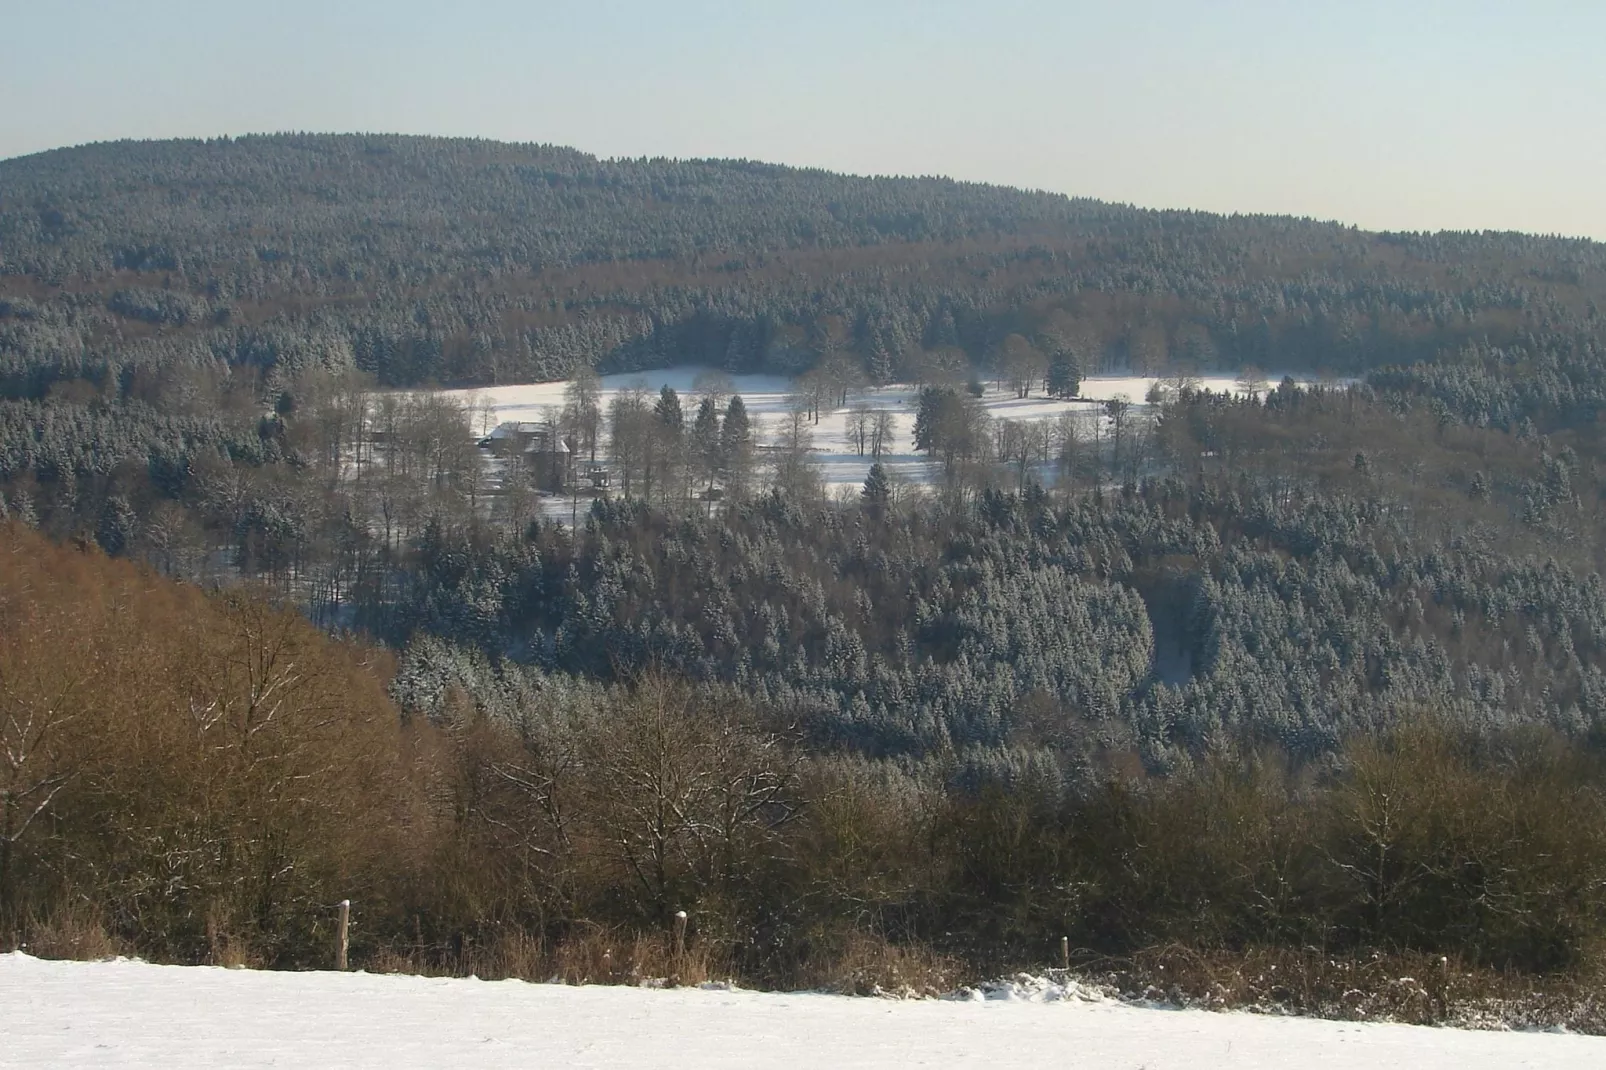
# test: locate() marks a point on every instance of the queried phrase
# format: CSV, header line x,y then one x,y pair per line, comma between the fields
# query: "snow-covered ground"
x,y
132,1014
768,399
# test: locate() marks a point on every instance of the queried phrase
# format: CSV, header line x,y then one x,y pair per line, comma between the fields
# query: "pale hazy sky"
x,y
1404,115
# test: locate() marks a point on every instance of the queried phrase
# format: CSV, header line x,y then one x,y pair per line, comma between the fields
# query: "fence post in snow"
x,y
1065,952
341,943
680,936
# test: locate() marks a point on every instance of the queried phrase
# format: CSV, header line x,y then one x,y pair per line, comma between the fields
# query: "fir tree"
x,y
736,444
877,490
1064,378
668,411
705,439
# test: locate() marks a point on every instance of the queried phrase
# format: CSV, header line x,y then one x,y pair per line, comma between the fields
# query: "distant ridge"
x,y
468,261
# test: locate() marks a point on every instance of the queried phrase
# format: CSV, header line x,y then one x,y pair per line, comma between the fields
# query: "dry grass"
x,y
1414,988
223,948
592,955
866,964
854,963
69,936
602,956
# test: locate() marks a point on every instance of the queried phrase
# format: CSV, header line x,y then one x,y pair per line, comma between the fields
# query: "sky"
x,y
1403,115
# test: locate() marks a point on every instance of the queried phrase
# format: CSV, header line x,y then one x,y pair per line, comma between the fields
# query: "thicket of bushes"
x,y
199,777
195,773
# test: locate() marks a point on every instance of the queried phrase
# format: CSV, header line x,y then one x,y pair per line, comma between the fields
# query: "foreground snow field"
x,y
134,1014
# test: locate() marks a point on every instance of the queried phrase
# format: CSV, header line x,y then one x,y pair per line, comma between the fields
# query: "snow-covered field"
x,y
768,399
133,1014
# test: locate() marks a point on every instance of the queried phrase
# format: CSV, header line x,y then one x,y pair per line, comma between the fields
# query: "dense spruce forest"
x,y
959,707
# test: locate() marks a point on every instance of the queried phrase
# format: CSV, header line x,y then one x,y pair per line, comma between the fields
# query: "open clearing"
x,y
125,1013
769,397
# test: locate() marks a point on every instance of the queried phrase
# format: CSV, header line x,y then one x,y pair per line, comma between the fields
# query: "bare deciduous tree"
x,y
682,786
881,432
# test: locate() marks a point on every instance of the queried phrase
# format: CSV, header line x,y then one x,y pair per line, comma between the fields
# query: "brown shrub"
x,y
862,963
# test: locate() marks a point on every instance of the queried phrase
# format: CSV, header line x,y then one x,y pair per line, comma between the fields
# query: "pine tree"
x,y
736,444
1064,378
926,418
117,525
670,415
877,490
705,439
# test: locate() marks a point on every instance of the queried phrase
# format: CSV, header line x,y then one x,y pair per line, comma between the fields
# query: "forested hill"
x,y
189,333
462,262
1317,667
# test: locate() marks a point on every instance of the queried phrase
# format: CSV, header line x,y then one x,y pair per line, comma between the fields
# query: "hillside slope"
x,y
468,262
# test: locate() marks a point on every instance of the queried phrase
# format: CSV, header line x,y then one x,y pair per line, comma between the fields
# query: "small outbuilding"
x,y
515,436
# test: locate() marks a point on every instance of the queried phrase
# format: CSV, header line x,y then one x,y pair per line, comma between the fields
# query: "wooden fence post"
x,y
680,936
341,943
1065,953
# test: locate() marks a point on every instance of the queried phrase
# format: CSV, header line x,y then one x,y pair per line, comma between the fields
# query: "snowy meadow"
x,y
770,398
125,1013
